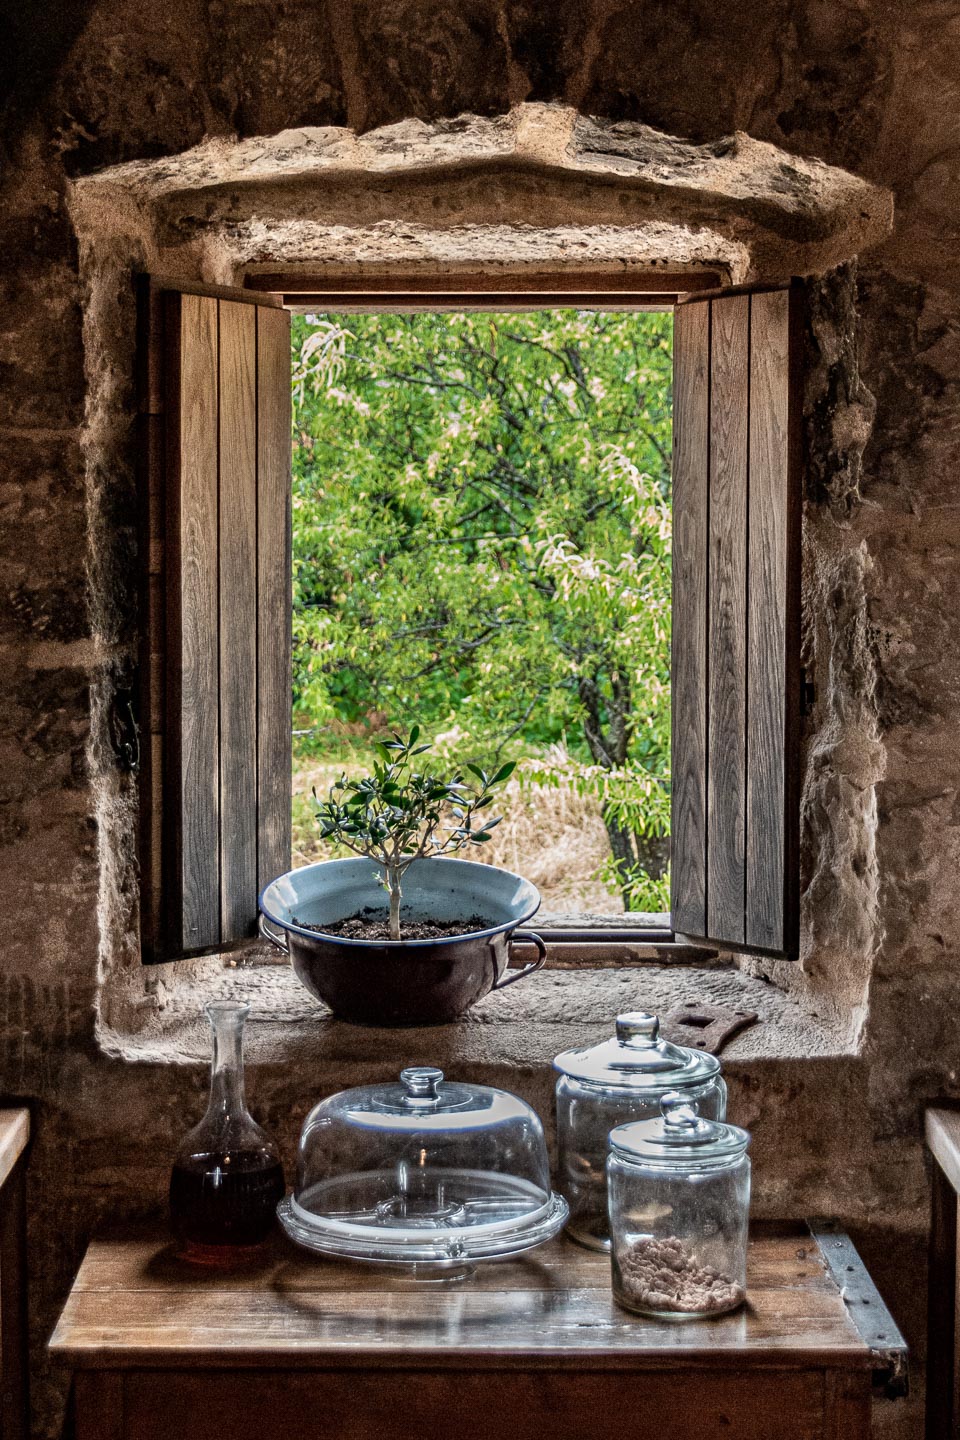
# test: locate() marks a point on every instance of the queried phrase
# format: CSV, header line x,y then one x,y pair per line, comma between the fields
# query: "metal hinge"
x,y
125,732
865,1307
808,693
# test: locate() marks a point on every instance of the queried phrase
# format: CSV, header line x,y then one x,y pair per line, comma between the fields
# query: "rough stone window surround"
x,y
540,188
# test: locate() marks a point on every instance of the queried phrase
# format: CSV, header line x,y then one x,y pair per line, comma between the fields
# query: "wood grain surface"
x,y
943,1293
14,1137
238,616
766,758
151,503
194,667
689,672
274,600
534,287
290,1344
98,1406
471,1405
135,1303
215,753
943,1138
736,710
727,689
14,1349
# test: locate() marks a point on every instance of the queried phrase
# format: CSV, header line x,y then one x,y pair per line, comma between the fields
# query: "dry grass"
x,y
552,837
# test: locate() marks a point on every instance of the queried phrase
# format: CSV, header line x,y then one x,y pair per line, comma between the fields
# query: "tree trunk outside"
x,y
649,853
609,746
622,849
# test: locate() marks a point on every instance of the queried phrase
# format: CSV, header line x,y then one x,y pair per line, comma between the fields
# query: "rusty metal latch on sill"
x,y
704,1026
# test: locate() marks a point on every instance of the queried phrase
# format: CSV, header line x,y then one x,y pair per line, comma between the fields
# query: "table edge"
x,y
942,1129
14,1138
96,1358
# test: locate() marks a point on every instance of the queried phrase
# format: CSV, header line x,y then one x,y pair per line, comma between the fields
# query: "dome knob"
x,y
421,1082
638,1028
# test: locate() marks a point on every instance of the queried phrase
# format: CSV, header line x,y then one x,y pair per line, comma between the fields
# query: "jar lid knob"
x,y
680,1115
639,1028
421,1082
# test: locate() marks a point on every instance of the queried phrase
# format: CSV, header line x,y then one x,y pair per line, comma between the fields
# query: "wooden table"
x,y
943,1294
14,1392
530,1349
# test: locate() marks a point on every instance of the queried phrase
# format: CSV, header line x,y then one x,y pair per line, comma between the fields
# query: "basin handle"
x,y
268,934
523,937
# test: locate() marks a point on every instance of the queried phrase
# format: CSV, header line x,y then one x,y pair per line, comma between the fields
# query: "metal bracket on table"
x,y
704,1026
865,1306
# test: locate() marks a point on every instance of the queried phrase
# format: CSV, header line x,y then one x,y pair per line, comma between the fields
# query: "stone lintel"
x,y
540,168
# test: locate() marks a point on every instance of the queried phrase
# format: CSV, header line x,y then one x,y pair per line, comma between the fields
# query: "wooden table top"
x,y
943,1137
14,1134
135,1304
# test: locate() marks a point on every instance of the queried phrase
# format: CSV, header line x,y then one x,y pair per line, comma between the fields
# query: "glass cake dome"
x,y
422,1172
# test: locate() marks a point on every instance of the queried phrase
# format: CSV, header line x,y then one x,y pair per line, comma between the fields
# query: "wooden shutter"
x,y
215,784
736,607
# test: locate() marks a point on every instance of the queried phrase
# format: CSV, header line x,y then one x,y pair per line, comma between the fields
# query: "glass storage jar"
x,y
679,1197
621,1079
424,1172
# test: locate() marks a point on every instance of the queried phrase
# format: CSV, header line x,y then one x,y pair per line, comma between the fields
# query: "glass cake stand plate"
x,y
448,1240
422,1172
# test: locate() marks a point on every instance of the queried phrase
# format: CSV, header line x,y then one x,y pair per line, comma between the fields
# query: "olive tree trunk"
x,y
393,890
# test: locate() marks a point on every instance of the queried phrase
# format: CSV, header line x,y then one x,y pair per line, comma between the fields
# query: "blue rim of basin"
x,y
292,927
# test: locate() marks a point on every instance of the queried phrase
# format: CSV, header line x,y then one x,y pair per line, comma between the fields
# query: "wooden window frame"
x,y
576,941
581,941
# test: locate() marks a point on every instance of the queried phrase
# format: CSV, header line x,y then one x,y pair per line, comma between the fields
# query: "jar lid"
x,y
679,1135
636,1058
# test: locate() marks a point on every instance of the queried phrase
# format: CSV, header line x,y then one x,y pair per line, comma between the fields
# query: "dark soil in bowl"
x,y
375,928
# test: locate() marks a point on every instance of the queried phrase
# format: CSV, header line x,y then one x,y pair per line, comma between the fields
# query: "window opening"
x,y
481,546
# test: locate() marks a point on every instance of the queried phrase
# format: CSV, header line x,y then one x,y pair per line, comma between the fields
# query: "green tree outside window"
x,y
482,535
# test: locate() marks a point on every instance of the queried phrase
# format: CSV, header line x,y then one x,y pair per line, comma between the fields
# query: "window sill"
x,y
523,1027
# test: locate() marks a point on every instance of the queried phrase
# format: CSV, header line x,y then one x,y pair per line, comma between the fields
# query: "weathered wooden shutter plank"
x,y
727,589
767,625
238,609
688,686
274,595
215,778
151,455
743,486
194,673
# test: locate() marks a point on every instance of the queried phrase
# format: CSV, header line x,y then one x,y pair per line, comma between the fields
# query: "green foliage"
x,y
641,891
395,815
482,536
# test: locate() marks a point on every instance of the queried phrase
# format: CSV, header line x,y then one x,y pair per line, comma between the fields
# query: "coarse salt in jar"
x,y
679,1199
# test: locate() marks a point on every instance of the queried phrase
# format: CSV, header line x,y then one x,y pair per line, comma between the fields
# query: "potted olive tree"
x,y
403,933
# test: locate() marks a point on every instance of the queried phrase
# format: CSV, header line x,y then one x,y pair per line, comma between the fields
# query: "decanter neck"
x,y
227,1019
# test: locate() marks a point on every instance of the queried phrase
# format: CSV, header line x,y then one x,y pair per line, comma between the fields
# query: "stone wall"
x,y
870,87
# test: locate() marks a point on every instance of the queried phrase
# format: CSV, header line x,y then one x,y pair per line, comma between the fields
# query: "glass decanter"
x,y
227,1176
